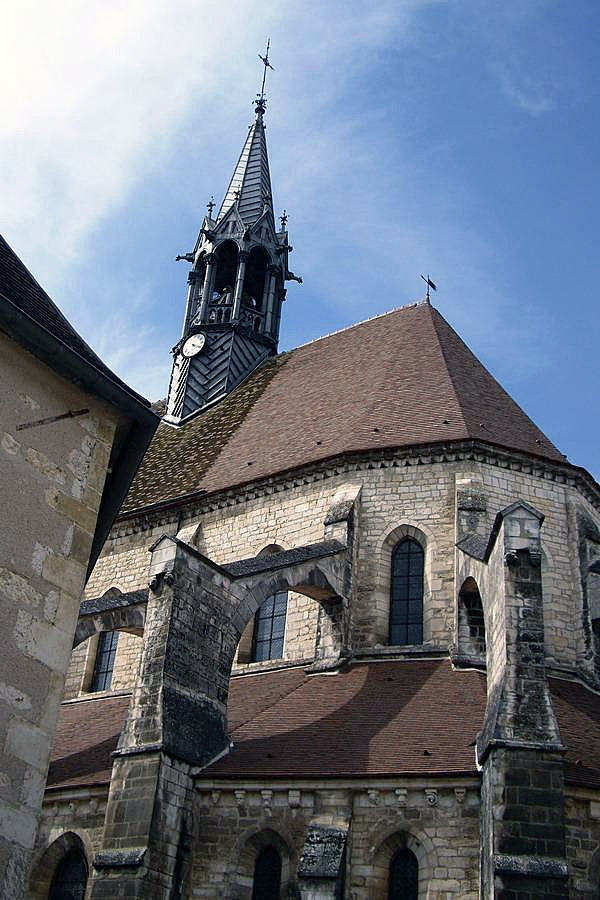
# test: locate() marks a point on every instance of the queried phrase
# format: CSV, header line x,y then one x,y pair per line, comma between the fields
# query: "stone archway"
x,y
46,864
247,851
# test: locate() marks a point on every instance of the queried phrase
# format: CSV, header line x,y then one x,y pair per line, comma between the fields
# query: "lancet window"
x,y
406,600
70,878
105,661
267,875
269,628
404,876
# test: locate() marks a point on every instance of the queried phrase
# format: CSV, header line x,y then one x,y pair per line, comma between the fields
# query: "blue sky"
x,y
456,137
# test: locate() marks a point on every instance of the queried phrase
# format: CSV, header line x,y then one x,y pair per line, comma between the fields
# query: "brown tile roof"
x,y
86,735
399,380
417,717
414,718
578,712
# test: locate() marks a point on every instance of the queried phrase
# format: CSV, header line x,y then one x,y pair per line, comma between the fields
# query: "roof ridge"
x,y
447,364
382,315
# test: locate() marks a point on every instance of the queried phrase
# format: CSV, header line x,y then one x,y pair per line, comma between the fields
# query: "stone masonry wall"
x,y
127,659
79,811
437,821
51,481
420,497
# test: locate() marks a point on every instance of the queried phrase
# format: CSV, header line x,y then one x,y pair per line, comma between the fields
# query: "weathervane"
x,y
429,284
260,103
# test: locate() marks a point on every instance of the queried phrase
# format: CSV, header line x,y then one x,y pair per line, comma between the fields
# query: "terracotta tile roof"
x,y
578,712
416,717
86,735
372,719
399,380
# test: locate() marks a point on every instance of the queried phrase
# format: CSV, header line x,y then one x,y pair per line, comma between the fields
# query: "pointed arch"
x,y
45,873
471,621
406,593
262,844
395,844
225,275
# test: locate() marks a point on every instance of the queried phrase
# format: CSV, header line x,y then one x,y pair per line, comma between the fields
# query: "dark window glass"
x,y
269,628
404,876
406,601
70,878
105,661
267,875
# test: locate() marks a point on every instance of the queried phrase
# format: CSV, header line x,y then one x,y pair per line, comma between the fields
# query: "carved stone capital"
x,y
243,255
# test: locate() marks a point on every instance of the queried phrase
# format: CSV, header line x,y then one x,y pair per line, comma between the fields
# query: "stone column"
x,y
211,261
189,303
269,298
519,748
239,284
176,721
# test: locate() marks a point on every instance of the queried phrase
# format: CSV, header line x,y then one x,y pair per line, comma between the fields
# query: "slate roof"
x,y
413,717
251,181
22,291
402,379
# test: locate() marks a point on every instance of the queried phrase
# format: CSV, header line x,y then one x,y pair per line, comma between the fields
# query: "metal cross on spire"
x,y
260,103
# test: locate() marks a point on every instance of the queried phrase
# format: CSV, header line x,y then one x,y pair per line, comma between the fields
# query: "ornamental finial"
x,y
283,219
210,206
261,102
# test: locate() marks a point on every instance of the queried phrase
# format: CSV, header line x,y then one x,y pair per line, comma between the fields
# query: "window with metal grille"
x,y
105,661
404,876
267,875
70,878
406,601
269,628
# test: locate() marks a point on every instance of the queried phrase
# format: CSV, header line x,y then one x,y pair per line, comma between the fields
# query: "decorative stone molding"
x,y
464,451
431,795
401,796
460,794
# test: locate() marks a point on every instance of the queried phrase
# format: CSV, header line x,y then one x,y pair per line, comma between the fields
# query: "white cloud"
x,y
97,95
527,97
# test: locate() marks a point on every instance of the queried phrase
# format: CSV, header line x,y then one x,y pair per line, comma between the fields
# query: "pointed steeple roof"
x,y
250,186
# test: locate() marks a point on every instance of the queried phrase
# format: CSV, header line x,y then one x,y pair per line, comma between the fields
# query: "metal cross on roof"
x,y
210,206
283,219
429,284
260,103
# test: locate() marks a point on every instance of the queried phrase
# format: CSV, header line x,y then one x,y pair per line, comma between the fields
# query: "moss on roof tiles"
x,y
178,458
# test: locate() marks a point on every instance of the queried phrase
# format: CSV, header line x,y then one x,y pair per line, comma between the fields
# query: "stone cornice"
x,y
200,502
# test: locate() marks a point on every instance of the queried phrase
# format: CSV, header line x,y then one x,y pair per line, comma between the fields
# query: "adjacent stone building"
x,y
342,641
71,439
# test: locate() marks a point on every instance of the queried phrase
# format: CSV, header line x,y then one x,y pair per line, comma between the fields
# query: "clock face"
x,y
193,345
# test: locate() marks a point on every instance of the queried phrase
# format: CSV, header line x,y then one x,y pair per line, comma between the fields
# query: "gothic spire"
x,y
250,185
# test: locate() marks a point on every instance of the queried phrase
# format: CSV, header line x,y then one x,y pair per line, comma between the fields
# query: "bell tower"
x,y
236,284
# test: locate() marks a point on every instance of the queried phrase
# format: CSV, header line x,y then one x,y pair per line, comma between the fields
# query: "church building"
x,y
343,640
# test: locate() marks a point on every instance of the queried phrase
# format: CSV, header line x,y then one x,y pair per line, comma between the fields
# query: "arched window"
x,y
404,876
254,279
471,622
70,878
267,875
406,601
227,260
105,661
269,628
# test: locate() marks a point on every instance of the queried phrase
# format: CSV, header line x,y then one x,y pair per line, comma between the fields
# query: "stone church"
x,y
343,640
